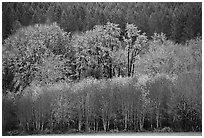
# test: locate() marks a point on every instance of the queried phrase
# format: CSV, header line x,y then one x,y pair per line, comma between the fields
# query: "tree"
x,y
135,43
159,57
95,48
29,48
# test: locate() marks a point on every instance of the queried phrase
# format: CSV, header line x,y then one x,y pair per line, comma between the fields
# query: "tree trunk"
x,y
126,125
27,124
157,116
128,61
51,121
80,116
97,129
130,66
87,125
118,71
38,126
137,124
133,68
141,123
79,74
42,127
87,112
157,120
110,70
104,125
79,125
108,125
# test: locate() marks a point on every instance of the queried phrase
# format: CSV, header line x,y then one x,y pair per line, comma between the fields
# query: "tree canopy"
x,y
83,67
172,19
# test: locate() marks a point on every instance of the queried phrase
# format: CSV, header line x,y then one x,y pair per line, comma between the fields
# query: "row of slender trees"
x,y
179,21
119,104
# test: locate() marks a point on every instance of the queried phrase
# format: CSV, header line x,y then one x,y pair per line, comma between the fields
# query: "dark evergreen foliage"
x,y
179,21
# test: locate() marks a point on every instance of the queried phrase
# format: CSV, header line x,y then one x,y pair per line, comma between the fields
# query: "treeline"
x,y
179,21
106,81
160,85
120,104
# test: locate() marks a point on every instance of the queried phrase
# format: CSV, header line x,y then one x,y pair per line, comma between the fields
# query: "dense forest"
x,y
101,67
179,21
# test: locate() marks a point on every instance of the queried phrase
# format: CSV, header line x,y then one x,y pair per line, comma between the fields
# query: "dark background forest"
x,y
179,21
101,67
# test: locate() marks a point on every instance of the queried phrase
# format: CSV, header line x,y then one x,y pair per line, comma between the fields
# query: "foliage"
x,y
164,56
189,101
136,43
30,51
119,103
95,49
172,18
109,77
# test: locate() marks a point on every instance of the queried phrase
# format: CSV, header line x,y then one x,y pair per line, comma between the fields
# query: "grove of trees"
x,y
90,67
